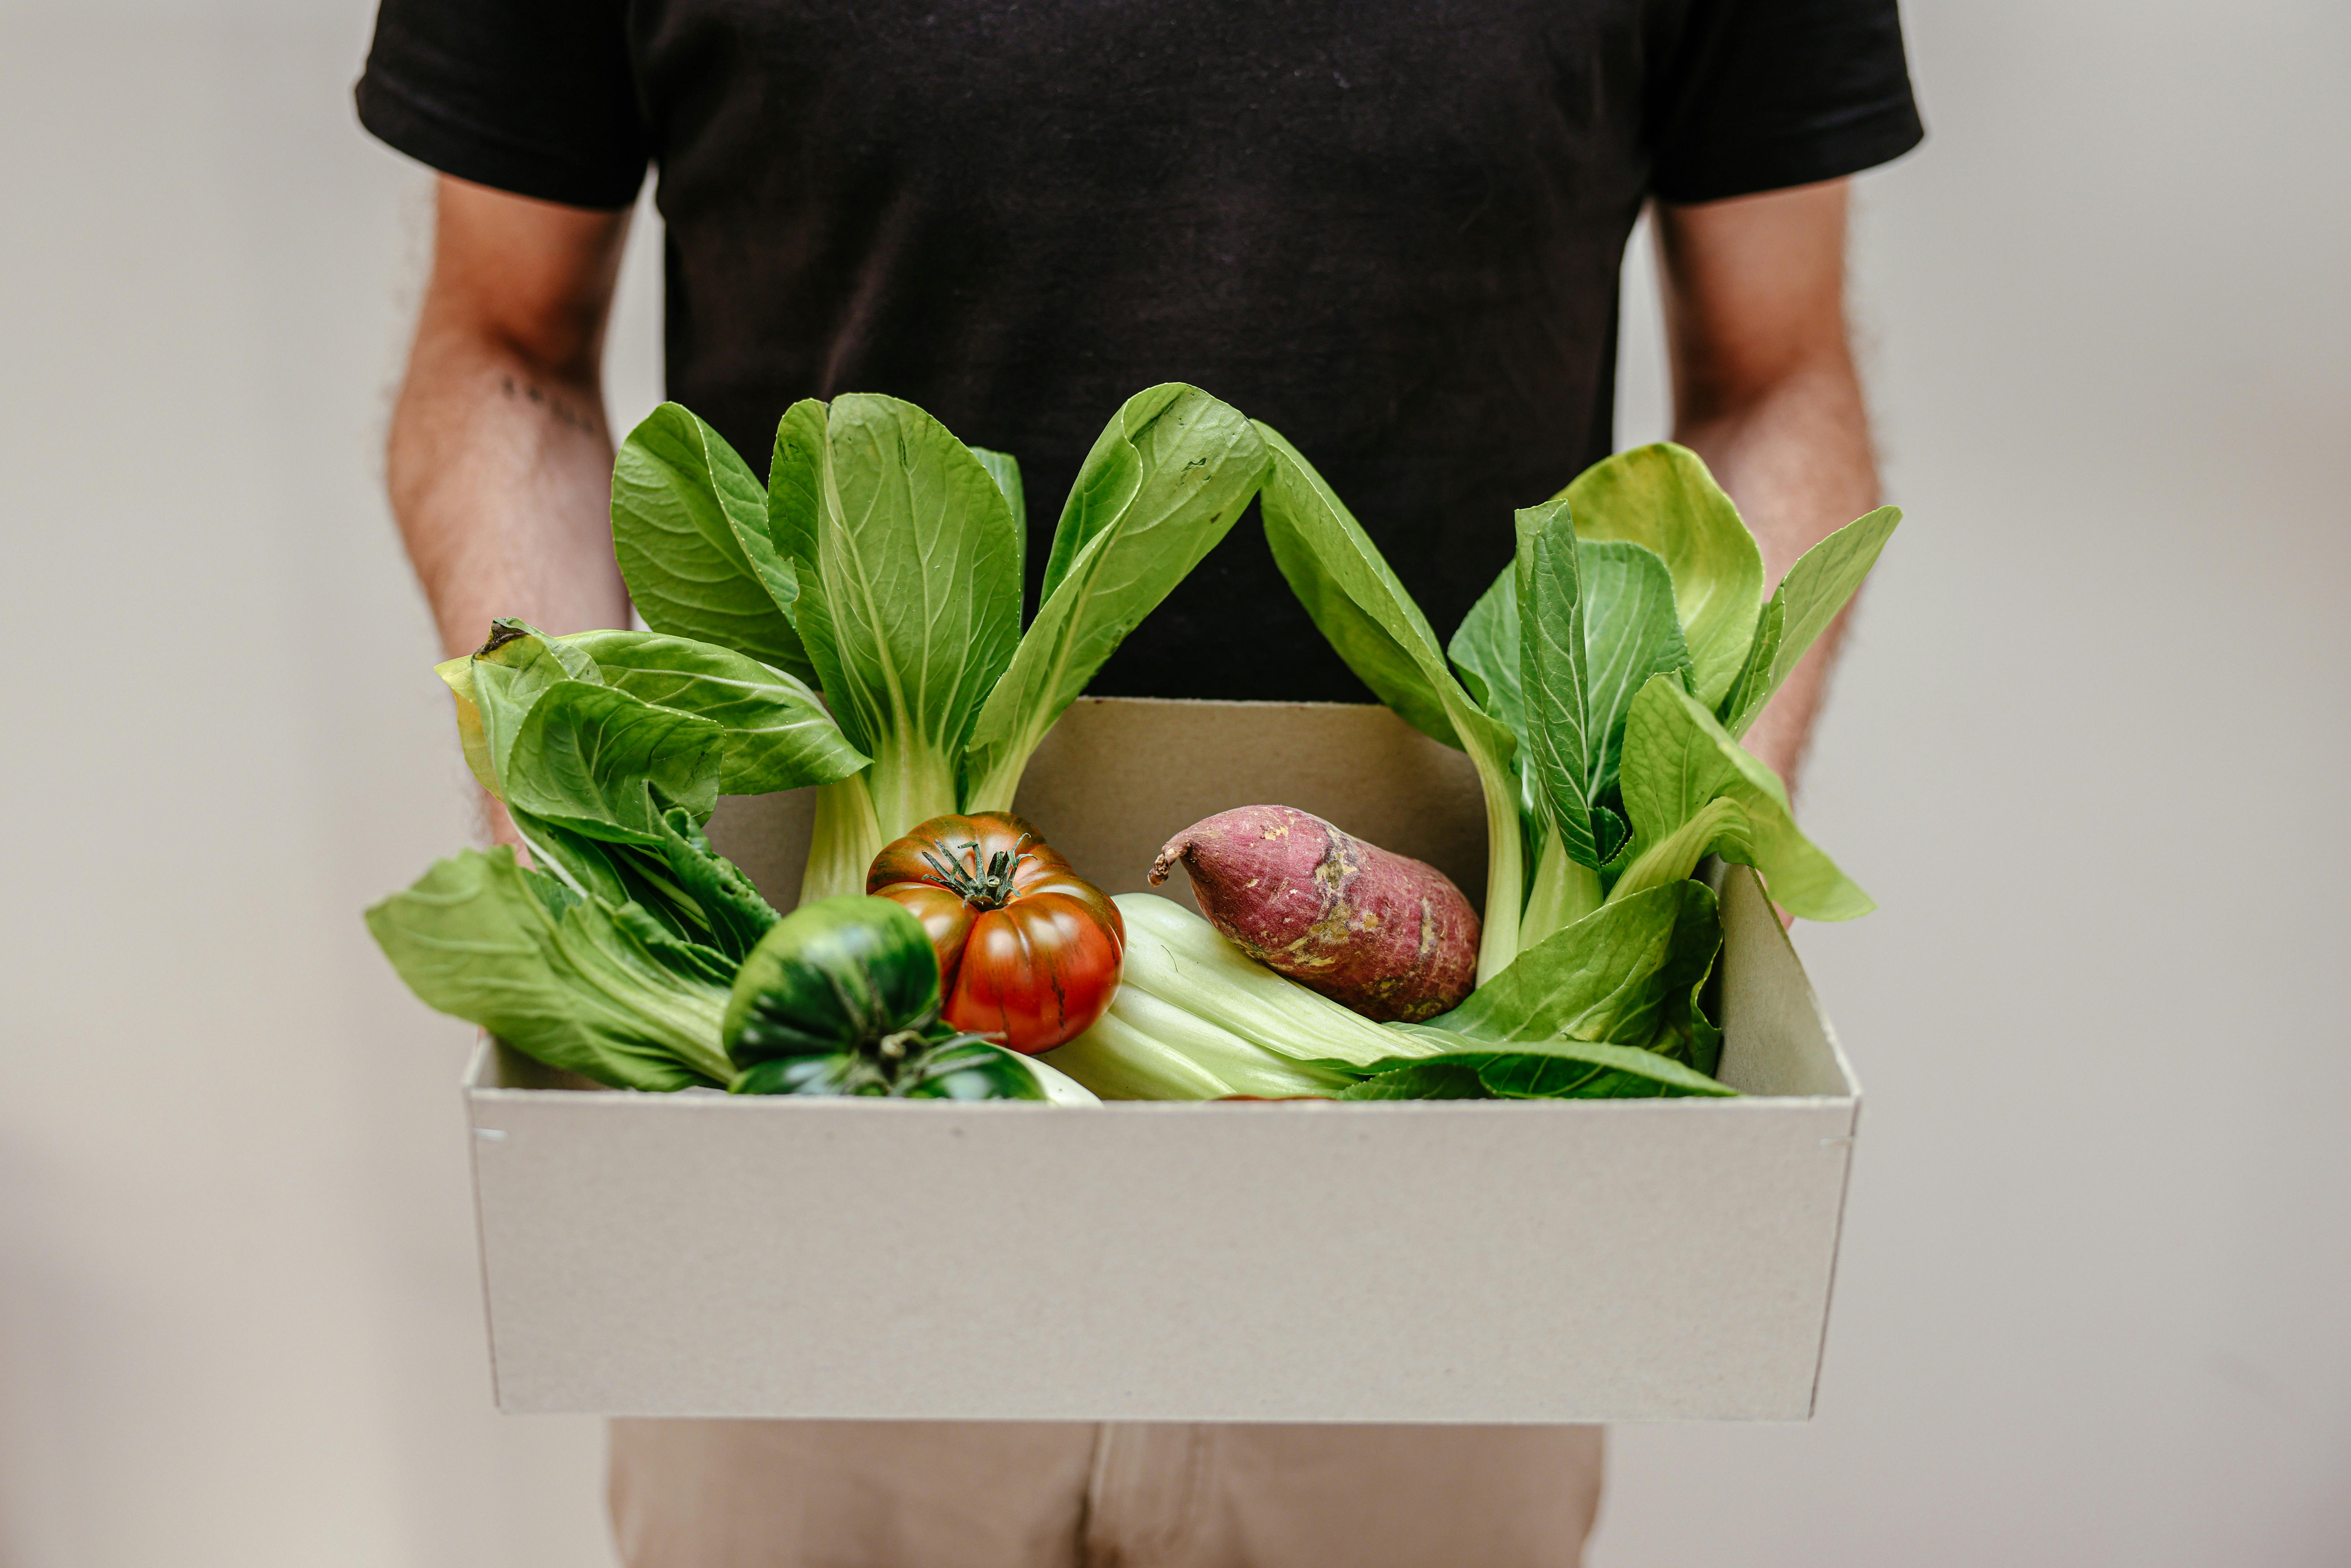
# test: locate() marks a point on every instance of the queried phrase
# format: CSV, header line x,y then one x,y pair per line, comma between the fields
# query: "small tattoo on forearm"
x,y
562,413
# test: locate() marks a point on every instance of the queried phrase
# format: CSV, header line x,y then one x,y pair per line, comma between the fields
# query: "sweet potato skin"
x,y
1386,936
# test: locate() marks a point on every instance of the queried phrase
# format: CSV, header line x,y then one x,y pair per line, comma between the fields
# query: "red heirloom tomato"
x,y
1028,952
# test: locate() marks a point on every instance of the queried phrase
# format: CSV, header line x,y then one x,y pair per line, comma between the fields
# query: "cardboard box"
x,y
1603,1261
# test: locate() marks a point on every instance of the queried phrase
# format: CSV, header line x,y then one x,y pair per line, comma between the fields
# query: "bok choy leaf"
x,y
1630,634
690,527
1355,597
1683,768
574,982
775,733
909,597
772,731
1148,1049
1819,585
1162,486
1550,1069
1620,655
1662,497
1610,975
1553,683
1181,960
594,759
609,784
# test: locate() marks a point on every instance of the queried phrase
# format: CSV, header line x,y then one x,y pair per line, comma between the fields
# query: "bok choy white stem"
x,y
1146,1048
1181,960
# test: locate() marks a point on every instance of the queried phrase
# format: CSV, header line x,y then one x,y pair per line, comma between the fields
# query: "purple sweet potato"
x,y
1385,935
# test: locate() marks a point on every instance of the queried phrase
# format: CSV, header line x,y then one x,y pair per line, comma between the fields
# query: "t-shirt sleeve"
x,y
1767,94
535,97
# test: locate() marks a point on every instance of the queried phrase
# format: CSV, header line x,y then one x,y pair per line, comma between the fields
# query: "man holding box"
x,y
1392,230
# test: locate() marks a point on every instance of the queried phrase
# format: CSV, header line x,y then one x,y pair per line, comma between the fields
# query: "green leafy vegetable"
x,y
910,597
1599,687
1819,585
1354,597
605,765
1148,1049
1662,496
1435,1079
1618,657
609,789
1630,636
690,526
772,731
1608,977
795,468
775,732
495,685
578,984
1005,469
1486,653
884,559
1356,600
733,914
1558,744
1824,579
1197,1021
1181,960
1553,1069
1679,764
1754,685
900,575
610,748
1161,488
1623,605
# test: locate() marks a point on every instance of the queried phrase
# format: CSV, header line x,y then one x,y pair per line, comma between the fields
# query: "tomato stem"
x,y
989,889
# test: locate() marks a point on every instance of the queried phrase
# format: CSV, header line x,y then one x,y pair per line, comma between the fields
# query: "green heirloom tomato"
x,y
842,997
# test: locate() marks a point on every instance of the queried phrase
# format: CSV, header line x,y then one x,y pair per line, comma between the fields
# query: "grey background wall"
x,y
2088,751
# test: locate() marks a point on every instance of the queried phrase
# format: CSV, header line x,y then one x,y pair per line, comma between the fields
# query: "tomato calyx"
x,y
989,889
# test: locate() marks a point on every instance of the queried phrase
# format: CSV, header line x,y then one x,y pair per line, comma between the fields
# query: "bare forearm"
x,y
499,462
500,474
1764,390
1799,462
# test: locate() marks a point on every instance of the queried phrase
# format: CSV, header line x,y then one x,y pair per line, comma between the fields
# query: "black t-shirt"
x,y
1391,228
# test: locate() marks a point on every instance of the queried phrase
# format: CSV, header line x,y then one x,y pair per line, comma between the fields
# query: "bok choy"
x,y
610,749
1600,687
639,956
613,954
883,561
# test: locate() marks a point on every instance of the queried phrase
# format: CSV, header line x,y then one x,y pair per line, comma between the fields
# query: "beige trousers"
x,y
925,1494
